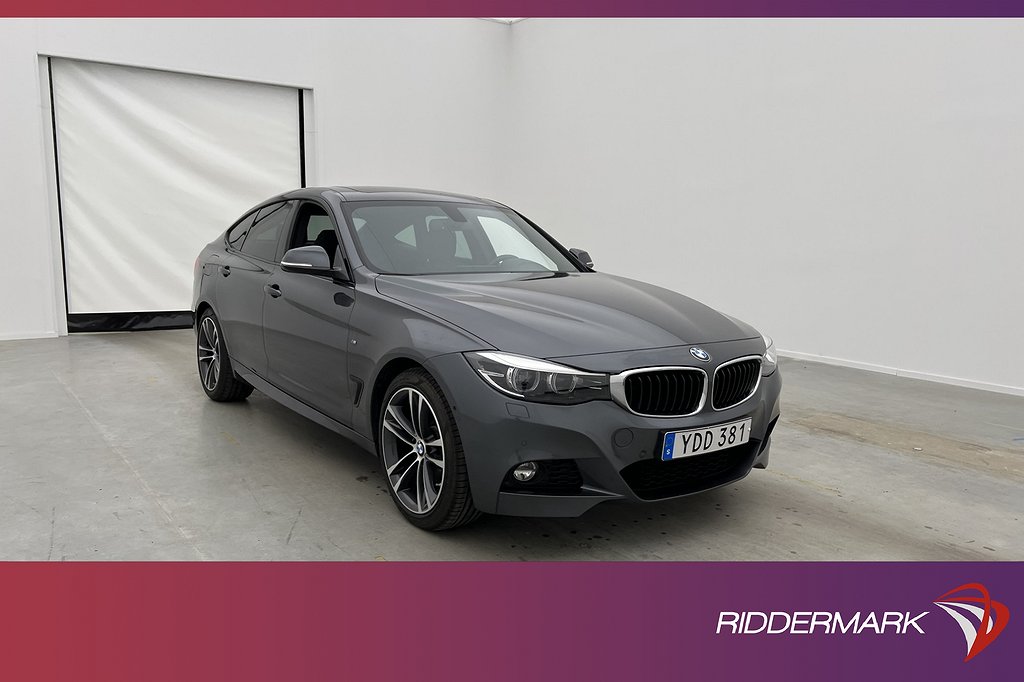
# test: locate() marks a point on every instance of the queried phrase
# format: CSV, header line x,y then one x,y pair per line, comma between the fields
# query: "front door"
x,y
305,323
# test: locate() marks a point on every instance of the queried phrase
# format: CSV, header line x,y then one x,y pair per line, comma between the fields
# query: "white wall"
x,y
854,188
29,300
408,102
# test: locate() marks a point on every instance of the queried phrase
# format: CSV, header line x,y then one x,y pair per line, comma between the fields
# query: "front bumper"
x,y
616,452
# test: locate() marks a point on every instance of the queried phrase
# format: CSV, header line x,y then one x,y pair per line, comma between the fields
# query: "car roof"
x,y
365,193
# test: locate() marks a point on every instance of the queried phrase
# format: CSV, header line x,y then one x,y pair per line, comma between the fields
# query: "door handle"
x,y
273,290
225,270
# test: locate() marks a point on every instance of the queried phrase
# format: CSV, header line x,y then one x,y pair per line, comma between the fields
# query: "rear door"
x,y
306,322
252,254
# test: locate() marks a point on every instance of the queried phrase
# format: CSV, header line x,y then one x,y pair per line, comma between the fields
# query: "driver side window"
x,y
313,227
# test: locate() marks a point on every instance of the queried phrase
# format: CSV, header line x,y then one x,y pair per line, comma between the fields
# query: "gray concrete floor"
x,y
110,450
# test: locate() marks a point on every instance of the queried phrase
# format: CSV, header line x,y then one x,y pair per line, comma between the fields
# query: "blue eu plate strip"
x,y
666,452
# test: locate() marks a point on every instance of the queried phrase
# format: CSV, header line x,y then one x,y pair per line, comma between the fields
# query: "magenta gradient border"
x,y
530,8
497,621
482,621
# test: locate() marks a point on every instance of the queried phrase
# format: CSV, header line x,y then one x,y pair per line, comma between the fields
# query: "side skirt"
x,y
302,408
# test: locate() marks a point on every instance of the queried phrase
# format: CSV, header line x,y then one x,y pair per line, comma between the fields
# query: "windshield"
x,y
412,238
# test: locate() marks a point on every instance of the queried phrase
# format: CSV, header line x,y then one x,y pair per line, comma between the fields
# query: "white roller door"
x,y
152,166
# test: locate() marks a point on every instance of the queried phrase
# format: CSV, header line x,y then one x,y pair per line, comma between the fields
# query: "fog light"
x,y
525,471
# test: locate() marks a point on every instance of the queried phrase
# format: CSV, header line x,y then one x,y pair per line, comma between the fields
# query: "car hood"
x,y
560,314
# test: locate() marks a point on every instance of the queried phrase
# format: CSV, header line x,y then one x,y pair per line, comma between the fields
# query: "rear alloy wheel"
x,y
215,373
421,454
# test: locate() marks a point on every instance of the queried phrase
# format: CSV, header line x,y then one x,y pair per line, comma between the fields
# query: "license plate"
x,y
699,441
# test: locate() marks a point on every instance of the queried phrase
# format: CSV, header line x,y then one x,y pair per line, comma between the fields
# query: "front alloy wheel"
x,y
413,450
421,453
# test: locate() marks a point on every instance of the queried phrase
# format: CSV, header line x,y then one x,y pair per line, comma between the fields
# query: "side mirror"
x,y
583,257
312,260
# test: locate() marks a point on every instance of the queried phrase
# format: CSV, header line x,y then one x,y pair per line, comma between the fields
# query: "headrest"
x,y
326,238
328,241
439,240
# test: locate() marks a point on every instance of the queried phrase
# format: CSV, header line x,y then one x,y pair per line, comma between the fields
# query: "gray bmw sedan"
x,y
489,368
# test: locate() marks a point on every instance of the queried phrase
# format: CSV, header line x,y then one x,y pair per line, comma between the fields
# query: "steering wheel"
x,y
499,260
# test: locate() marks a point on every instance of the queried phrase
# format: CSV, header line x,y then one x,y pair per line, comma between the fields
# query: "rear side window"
x,y
237,234
267,210
265,234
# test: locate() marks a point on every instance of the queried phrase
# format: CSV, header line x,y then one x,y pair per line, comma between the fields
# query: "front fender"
x,y
384,331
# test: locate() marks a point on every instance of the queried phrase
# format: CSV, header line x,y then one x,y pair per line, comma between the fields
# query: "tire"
x,y
216,375
412,476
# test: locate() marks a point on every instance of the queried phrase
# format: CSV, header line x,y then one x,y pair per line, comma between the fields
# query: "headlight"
x,y
538,380
769,361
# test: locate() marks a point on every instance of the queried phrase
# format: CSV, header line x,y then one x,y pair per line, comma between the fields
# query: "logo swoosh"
x,y
992,616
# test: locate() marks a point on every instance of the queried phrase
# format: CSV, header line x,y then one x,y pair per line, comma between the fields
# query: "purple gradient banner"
x,y
529,8
550,621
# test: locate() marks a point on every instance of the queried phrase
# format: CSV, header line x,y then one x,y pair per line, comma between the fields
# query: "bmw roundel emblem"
x,y
700,354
